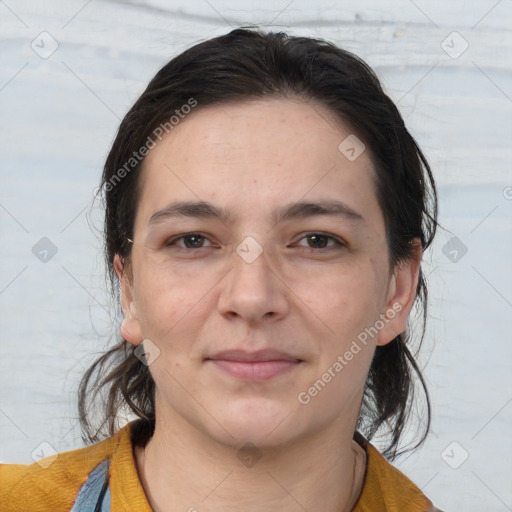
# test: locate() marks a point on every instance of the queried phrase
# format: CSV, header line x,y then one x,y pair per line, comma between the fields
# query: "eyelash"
x,y
172,241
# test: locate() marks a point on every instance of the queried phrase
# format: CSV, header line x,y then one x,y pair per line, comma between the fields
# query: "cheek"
x,y
344,298
169,307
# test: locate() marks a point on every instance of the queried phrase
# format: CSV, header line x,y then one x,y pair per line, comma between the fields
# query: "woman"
x,y
266,216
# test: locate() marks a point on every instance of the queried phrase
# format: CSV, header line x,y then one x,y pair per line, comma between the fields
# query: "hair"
x,y
245,64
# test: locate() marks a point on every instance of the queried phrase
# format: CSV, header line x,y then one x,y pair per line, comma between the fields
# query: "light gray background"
x,y
58,118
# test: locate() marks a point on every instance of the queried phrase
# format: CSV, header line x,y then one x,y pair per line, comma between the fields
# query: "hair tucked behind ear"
x,y
248,63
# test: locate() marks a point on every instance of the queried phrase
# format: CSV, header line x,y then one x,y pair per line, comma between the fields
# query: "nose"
x,y
253,289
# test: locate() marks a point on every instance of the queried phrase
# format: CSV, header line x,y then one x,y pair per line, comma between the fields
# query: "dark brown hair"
x,y
250,63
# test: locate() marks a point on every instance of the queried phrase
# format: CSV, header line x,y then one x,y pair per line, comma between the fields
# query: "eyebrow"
x,y
204,210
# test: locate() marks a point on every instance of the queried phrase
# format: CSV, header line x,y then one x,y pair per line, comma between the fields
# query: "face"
x,y
261,311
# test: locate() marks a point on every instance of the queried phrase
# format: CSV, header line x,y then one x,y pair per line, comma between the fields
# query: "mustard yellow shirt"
x,y
36,488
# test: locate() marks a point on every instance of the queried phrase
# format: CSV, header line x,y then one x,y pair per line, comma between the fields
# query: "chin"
x,y
262,424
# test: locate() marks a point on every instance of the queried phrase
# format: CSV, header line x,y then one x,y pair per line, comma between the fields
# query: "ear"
x,y
130,327
401,296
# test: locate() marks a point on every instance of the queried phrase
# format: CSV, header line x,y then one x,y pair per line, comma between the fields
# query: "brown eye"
x,y
190,241
320,241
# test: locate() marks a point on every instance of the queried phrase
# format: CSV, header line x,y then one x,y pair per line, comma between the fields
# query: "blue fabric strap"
x,y
94,495
105,505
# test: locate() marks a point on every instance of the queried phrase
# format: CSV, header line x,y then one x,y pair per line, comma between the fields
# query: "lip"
x,y
251,357
254,366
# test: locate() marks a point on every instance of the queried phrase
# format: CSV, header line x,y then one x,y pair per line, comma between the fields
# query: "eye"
x,y
320,240
191,241
197,241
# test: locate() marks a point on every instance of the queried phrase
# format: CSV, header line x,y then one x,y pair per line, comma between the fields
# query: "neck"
x,y
181,469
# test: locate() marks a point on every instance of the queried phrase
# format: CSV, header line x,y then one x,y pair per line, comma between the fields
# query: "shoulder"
x,y
53,482
386,488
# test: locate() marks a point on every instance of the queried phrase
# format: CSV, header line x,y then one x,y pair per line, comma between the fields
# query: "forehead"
x,y
250,157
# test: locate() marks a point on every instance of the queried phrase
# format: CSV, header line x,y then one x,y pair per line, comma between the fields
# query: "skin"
x,y
250,158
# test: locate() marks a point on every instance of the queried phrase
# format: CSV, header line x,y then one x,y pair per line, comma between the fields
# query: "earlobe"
x,y
401,297
130,326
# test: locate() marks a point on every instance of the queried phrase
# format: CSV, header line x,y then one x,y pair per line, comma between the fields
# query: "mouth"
x,y
254,366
